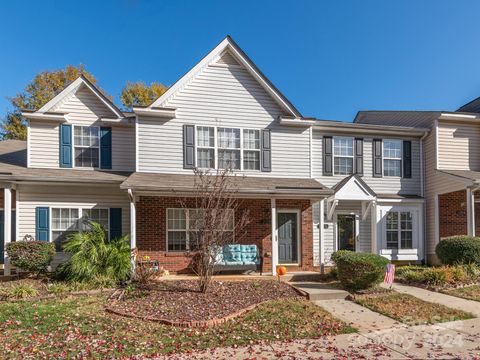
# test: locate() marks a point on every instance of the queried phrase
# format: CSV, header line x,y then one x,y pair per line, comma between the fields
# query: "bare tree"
x,y
215,219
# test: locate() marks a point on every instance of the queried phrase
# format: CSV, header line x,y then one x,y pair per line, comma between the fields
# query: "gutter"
x,y
168,113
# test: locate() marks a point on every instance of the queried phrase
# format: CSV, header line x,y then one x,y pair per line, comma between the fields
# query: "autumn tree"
x,y
140,94
217,217
37,93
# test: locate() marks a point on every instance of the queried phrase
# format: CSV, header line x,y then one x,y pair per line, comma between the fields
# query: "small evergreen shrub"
x,y
21,291
31,256
359,271
459,250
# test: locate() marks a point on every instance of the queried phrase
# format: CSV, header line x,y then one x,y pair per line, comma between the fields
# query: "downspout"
x,y
422,194
472,209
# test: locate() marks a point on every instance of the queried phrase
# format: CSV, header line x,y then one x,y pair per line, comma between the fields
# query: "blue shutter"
x,y
106,148
42,224
115,223
65,146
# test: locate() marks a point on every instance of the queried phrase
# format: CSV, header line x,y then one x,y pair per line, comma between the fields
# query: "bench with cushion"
x,y
236,257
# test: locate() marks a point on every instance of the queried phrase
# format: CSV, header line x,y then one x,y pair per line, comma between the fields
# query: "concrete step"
x,y
320,291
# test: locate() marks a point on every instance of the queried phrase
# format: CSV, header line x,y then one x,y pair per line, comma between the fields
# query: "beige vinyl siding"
x,y
436,183
459,146
222,96
383,185
44,144
83,108
31,197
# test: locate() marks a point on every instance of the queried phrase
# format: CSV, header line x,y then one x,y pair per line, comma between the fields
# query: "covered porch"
x,y
356,218
279,210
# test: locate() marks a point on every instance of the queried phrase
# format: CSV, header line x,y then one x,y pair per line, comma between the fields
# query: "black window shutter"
x,y
106,147
188,146
266,156
377,158
327,156
407,159
359,156
115,223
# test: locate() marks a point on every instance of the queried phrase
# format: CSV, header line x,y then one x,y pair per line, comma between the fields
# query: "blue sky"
x,y
330,58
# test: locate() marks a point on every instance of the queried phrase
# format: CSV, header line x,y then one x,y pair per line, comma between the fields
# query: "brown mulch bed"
x,y
180,301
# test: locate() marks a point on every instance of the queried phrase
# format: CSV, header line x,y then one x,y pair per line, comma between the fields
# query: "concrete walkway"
x,y
319,291
456,340
453,302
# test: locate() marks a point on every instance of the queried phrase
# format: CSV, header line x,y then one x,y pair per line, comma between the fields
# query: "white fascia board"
x,y
42,116
118,122
210,57
157,112
453,116
102,99
383,201
49,105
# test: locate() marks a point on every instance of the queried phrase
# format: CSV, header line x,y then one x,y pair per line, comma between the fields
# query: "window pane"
x,y
343,166
177,219
229,159
251,160
343,146
392,239
86,157
392,167
251,139
406,241
78,136
392,220
206,158
228,138
392,149
406,220
177,240
205,136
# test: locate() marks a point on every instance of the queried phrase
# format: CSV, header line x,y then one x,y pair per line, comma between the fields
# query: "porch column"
x,y
133,233
374,228
273,206
321,234
470,212
7,227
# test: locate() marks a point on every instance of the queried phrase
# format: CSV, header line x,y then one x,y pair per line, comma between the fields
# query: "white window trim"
x,y
80,216
242,149
85,147
391,158
187,229
343,156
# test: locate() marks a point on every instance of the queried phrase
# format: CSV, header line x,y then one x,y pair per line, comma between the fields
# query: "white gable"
x,y
227,53
354,189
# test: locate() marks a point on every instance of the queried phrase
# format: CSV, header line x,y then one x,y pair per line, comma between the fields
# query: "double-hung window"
x,y
399,230
342,155
87,150
228,148
65,221
183,226
251,149
392,158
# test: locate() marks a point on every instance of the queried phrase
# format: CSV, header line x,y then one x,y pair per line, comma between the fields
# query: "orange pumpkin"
x,y
281,270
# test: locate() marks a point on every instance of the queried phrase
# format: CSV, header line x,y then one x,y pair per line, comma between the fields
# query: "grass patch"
x,y
410,310
468,292
46,328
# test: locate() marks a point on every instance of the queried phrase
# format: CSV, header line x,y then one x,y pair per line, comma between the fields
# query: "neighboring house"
x,y
452,168
316,185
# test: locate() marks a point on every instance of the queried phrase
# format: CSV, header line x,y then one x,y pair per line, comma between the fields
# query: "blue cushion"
x,y
232,253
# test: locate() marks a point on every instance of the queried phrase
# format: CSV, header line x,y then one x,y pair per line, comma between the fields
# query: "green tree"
x,y
140,94
37,93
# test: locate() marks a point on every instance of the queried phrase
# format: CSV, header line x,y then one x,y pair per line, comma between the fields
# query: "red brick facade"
x,y
151,231
452,211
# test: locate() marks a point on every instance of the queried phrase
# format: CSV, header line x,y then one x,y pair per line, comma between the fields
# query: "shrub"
x,y
92,256
57,288
358,271
31,256
144,273
459,250
21,291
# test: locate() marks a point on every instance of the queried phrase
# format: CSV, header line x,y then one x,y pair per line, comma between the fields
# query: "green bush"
x,y
21,291
439,276
31,256
459,250
93,258
358,271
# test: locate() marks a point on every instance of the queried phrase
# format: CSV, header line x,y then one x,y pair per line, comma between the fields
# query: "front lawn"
x,y
409,309
80,327
468,292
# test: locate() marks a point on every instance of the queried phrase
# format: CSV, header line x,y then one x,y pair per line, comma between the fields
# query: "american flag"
x,y
389,274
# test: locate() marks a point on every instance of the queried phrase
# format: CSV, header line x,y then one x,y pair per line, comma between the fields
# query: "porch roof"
x,y
463,175
253,185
